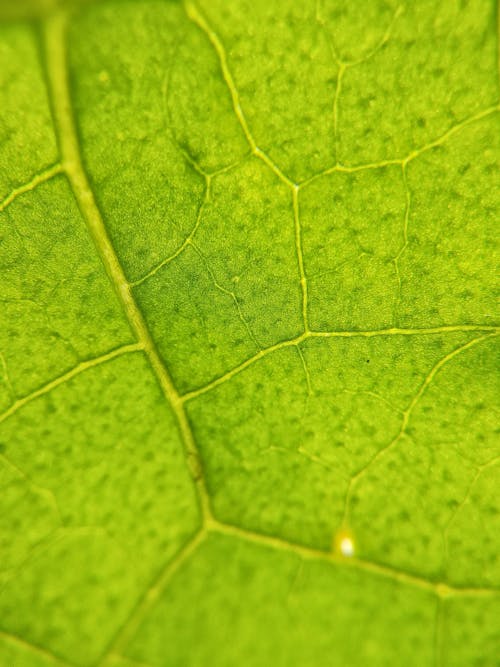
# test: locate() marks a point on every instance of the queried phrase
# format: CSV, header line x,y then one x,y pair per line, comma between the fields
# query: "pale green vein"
x,y
350,169
480,470
338,89
187,241
56,58
498,45
394,331
6,378
151,596
404,245
373,394
69,375
228,293
29,647
57,536
258,152
38,179
451,131
411,156
241,367
196,17
441,589
307,375
300,257
341,62
148,600
383,40
42,491
331,42
355,479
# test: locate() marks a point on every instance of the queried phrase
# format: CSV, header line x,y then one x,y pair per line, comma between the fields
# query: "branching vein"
x,y
349,169
9,638
406,418
196,17
394,331
405,228
148,600
187,241
40,178
65,377
56,58
72,166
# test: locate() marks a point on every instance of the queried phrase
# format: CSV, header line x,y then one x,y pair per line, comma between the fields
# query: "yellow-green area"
x,y
249,369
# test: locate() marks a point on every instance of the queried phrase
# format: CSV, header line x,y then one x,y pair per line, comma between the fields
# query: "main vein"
x,y
54,33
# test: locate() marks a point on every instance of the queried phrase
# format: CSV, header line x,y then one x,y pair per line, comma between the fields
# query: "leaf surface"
x,y
248,334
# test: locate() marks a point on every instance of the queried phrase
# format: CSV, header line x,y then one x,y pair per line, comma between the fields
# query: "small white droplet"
x,y
346,547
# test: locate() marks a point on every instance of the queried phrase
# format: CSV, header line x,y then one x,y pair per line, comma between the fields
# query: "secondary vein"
x,y
65,377
38,179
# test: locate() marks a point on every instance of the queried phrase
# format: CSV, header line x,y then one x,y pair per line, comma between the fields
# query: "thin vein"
x,y
394,331
56,58
228,293
404,245
330,40
349,169
148,599
355,479
440,589
479,471
42,491
241,367
439,632
451,131
36,650
38,179
384,39
346,169
307,375
370,53
187,241
6,378
338,88
397,331
498,45
300,257
65,377
258,152
196,17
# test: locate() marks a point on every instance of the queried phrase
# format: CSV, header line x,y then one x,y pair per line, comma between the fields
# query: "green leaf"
x,y
248,334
